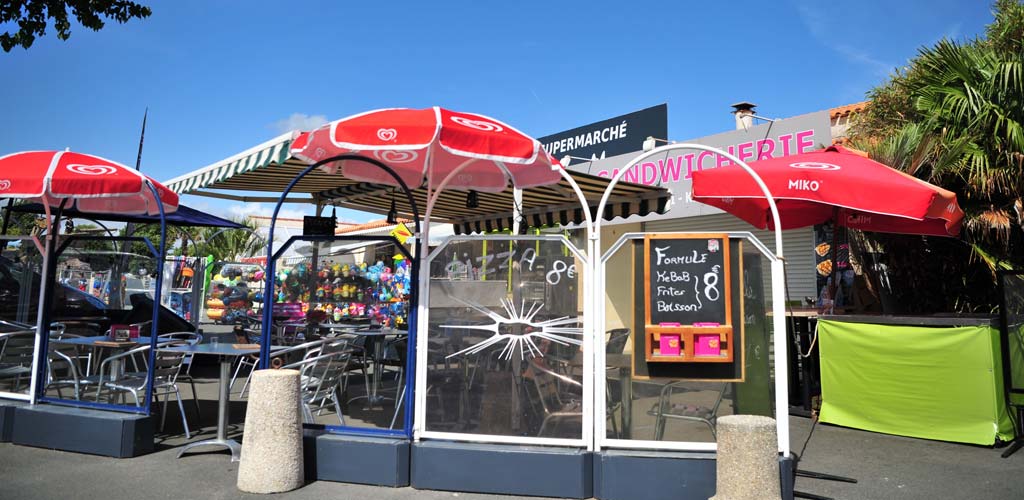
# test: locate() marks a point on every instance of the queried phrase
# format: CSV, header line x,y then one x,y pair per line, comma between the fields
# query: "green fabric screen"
x,y
941,383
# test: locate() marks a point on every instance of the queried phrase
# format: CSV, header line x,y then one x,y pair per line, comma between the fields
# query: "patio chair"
x,y
16,352
190,338
400,347
321,374
555,408
665,410
76,353
245,335
167,366
57,358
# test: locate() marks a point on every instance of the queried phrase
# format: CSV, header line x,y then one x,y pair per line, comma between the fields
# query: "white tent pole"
x,y
778,280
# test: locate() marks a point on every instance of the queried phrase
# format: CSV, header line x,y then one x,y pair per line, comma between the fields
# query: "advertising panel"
x,y
611,137
674,169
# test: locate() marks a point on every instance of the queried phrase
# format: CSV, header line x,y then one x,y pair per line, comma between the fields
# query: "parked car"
x,y
79,311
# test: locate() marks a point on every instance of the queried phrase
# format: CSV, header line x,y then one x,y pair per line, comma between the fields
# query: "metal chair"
x,y
547,383
167,366
71,379
17,350
664,409
321,372
190,338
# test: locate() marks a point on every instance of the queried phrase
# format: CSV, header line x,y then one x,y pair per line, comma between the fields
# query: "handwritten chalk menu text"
x,y
687,297
686,280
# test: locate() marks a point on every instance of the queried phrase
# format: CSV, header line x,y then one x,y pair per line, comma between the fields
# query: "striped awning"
x,y
270,152
269,168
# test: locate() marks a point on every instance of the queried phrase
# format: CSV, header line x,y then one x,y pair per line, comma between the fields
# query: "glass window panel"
x,y
681,410
20,272
341,310
504,337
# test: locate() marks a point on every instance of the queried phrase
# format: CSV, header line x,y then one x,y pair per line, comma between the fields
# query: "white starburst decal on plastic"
x,y
520,330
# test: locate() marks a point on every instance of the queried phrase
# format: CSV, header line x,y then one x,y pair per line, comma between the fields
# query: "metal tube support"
x,y
778,277
223,398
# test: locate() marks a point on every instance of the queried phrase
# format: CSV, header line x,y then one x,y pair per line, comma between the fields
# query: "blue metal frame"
x,y
47,304
413,302
267,316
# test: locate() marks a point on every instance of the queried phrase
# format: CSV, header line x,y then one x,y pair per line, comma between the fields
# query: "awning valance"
x,y
269,168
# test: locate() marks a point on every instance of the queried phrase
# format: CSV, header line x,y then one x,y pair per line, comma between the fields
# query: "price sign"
x,y
686,280
687,299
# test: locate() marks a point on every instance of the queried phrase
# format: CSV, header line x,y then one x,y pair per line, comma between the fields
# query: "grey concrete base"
x,y
272,459
357,459
7,409
638,475
787,477
503,469
113,434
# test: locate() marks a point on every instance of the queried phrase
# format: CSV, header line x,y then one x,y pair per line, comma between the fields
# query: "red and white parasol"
x,y
88,183
428,144
834,183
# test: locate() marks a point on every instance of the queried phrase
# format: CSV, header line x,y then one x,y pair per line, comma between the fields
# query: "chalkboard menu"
x,y
687,299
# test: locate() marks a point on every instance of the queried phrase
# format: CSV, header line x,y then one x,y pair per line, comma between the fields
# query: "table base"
x,y
231,444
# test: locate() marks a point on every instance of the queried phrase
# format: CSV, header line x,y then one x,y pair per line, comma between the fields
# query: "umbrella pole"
x,y
832,285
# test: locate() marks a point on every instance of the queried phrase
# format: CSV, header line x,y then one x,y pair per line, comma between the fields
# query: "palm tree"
x,y
955,117
230,244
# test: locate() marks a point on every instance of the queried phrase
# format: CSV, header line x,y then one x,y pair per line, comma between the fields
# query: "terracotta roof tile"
x,y
848,109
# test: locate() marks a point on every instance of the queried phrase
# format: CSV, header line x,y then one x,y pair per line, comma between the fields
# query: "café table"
x,y
375,338
226,353
104,342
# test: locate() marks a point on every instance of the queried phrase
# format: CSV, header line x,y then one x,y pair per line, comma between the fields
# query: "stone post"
x,y
748,459
272,446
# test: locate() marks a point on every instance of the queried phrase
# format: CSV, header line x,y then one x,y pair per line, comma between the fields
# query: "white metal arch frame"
x,y
422,318
601,419
778,291
584,440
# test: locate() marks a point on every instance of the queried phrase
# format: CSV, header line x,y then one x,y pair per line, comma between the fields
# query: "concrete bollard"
x,y
748,459
272,447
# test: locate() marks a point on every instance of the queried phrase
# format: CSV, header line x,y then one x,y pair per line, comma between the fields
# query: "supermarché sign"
x,y
611,137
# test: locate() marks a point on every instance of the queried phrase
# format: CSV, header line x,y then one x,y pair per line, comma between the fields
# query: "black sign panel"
x,y
734,371
686,280
611,137
318,226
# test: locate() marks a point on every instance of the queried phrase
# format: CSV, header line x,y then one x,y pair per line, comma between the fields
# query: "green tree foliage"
x,y
229,244
33,16
955,117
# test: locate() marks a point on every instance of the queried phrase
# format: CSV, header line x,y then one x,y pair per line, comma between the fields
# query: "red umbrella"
x,y
832,184
431,143
89,183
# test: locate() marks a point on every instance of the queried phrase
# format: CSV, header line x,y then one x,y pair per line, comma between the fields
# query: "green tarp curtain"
x,y
941,383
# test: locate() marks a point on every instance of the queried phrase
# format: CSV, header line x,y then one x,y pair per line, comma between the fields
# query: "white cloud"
x,y
291,212
266,210
818,23
299,121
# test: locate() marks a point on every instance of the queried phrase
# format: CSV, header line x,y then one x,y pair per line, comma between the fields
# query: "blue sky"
x,y
221,77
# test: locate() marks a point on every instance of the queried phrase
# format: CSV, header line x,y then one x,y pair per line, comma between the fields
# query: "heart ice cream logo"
x,y
396,156
5,184
814,165
387,134
91,169
477,124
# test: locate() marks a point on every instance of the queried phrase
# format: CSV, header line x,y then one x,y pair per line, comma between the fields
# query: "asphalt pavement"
x,y
886,467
